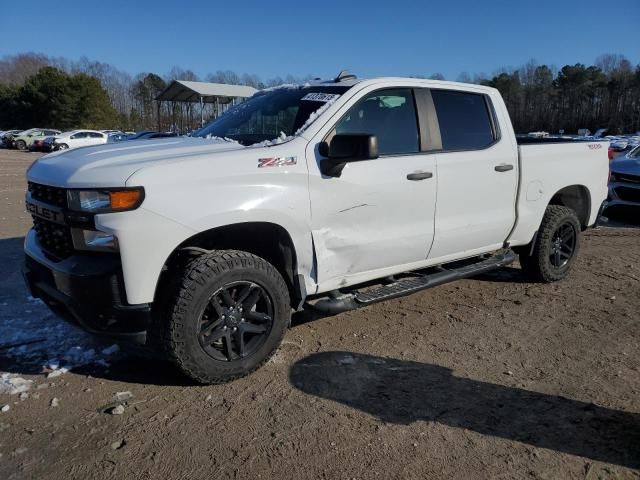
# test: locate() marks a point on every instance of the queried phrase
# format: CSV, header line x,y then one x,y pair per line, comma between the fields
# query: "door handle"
x,y
419,175
503,168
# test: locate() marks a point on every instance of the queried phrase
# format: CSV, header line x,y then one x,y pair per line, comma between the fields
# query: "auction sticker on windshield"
x,y
319,97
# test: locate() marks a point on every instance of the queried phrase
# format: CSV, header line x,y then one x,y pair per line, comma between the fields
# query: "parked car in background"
x,y
138,135
117,137
24,140
47,144
111,132
619,144
150,135
624,180
7,137
154,135
38,144
79,138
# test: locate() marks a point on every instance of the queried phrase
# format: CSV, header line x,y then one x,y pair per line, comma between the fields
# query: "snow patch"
x,y
34,341
12,384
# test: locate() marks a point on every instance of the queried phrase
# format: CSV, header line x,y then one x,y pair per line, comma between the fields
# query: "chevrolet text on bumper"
x,y
201,247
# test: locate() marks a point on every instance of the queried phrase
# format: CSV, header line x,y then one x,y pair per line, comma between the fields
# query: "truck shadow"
x,y
403,392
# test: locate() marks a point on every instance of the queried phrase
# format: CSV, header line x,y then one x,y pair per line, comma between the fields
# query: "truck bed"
x,y
545,165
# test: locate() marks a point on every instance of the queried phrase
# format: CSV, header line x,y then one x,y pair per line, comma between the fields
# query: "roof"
x,y
185,91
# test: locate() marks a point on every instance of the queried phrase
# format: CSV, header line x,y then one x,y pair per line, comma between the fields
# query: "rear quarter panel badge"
x,y
277,161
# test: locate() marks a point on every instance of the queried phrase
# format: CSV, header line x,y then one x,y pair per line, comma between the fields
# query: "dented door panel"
x,y
371,217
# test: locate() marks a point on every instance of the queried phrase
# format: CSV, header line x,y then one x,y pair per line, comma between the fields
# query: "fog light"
x,y
94,240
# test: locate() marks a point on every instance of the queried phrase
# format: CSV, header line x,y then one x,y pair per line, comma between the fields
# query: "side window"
x,y
388,114
464,120
95,135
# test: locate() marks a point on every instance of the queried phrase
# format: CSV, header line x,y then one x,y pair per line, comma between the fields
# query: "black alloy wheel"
x,y
563,246
236,321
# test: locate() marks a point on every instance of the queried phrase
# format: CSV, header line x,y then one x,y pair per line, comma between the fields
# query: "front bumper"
x,y
86,290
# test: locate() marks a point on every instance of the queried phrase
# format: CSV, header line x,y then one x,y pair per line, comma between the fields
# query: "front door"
x,y
379,214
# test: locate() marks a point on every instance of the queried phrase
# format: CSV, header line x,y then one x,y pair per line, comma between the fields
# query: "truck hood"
x,y
624,165
112,164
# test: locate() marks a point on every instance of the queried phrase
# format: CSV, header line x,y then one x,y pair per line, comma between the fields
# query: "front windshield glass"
x,y
272,114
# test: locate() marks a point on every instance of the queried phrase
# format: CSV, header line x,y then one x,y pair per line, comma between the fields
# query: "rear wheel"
x,y
556,246
226,316
63,146
21,145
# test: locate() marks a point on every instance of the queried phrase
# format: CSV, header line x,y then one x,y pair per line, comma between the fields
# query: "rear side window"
x,y
465,122
390,115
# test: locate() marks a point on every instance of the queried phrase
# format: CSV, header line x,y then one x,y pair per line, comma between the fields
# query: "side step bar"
x,y
337,303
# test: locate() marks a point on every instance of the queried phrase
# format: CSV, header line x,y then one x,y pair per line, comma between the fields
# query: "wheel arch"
x,y
264,239
577,198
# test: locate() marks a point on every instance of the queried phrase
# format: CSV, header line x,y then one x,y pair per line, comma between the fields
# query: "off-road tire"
x,y
189,293
538,265
21,145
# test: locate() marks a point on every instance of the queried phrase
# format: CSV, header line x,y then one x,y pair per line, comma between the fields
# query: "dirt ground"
x,y
492,377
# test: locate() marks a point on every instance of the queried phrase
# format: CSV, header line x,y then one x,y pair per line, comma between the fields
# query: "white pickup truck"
x,y
332,194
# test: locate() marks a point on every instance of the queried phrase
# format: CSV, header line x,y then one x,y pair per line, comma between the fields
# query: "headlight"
x,y
94,240
105,201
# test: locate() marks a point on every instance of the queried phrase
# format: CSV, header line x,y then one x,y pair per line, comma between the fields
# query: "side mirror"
x,y
344,148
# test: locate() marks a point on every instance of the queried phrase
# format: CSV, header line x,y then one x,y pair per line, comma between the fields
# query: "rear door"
x,y
477,176
378,213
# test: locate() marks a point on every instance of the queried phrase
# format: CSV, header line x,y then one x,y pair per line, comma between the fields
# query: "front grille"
x,y
51,195
627,178
628,194
55,239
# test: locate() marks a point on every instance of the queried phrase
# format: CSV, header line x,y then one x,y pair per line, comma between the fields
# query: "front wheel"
x,y
21,145
227,315
556,246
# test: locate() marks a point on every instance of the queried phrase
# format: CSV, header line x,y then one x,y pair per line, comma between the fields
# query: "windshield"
x,y
272,114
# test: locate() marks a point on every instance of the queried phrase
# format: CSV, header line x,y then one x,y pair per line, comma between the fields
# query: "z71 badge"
x,y
277,161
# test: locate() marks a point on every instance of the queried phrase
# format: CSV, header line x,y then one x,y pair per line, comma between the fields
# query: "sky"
x,y
369,38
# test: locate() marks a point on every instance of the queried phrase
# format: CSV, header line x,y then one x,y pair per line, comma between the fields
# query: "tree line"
x,y
38,90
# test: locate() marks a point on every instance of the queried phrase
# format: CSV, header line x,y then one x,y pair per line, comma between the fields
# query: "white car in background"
x,y
79,138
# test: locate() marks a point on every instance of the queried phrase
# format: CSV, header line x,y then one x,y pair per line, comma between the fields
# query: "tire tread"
x,y
182,291
537,264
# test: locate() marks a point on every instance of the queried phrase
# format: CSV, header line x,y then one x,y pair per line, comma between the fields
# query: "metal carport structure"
x,y
204,92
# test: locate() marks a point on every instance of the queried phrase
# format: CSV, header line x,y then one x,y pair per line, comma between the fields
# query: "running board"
x,y
340,303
